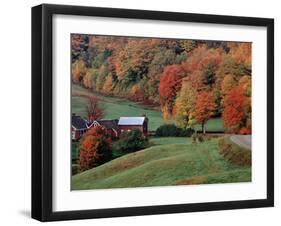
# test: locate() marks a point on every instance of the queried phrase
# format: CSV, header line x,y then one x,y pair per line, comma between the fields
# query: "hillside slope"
x,y
164,165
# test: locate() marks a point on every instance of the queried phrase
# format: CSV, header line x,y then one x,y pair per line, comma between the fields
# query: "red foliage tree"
x,y
170,81
95,148
205,107
234,113
170,84
93,109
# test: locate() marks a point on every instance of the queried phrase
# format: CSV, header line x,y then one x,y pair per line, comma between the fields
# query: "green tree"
x,y
132,141
209,75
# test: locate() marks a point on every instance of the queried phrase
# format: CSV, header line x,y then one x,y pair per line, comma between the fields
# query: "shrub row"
x,y
170,130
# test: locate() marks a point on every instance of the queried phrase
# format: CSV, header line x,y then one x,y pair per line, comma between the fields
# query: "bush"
x,y
170,130
132,141
185,132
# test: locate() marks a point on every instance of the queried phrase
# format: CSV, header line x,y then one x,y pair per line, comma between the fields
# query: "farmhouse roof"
x,y
131,120
109,124
78,122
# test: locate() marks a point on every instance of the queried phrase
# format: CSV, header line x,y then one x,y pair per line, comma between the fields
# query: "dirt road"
x,y
244,141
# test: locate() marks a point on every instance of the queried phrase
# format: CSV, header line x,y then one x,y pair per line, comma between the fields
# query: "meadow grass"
x,y
164,164
169,140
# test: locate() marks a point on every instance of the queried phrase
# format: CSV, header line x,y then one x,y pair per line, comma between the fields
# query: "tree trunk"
x,y
203,128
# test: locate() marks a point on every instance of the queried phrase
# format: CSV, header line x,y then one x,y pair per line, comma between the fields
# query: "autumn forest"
x,y
190,81
159,111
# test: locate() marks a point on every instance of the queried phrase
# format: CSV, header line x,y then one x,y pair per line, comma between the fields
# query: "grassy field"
x,y
169,140
166,163
116,107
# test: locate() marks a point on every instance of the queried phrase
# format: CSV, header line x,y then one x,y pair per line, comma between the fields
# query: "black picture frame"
x,y
42,111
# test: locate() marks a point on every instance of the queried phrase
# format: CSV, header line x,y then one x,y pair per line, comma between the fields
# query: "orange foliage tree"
x,y
234,116
201,66
93,109
95,148
170,84
245,83
241,52
136,93
205,107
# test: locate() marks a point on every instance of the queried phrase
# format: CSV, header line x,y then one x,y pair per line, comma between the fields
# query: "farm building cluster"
x,y
114,127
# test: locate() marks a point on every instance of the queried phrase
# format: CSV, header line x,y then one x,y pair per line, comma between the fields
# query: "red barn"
x,y
110,125
114,127
130,123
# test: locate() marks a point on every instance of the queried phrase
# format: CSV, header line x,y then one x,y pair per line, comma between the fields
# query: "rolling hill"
x,y
160,165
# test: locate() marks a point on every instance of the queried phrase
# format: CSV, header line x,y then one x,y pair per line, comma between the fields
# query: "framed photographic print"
x,y
147,112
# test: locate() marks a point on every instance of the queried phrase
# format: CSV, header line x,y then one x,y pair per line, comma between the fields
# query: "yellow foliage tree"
x,y
78,71
165,113
107,87
228,83
88,79
185,104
